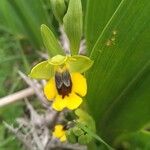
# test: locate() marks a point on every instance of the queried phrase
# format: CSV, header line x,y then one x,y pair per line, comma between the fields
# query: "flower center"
x,y
63,83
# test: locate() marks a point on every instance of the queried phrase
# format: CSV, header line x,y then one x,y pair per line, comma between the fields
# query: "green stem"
x,y
95,136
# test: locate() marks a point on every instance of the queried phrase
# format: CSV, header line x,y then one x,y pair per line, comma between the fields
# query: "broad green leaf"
x,y
50,41
43,70
73,24
98,14
138,140
119,81
79,63
59,9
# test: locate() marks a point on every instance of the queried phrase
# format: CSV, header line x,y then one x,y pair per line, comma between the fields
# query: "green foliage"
x,y
119,81
20,22
85,118
77,131
9,52
97,16
73,23
71,137
89,135
138,140
84,139
50,41
59,9
8,114
23,19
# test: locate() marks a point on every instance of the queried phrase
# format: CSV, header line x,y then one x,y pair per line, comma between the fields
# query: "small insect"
x,y
63,83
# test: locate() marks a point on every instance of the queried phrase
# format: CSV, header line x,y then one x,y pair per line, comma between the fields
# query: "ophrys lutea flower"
x,y
66,84
59,133
66,89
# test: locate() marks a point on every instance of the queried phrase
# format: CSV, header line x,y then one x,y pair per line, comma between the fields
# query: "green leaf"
x,y
119,81
79,63
138,140
97,16
50,41
28,16
9,21
73,24
43,70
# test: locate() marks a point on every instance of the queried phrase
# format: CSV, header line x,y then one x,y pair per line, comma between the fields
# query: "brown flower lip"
x,y
63,83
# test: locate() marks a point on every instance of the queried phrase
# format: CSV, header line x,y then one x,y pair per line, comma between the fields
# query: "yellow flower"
x,y
59,133
65,89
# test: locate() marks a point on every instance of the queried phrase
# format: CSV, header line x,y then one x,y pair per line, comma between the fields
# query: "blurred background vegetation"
x,y
20,42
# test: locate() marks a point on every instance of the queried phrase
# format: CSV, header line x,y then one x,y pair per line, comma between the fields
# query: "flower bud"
x,y
84,139
59,9
71,137
73,24
77,131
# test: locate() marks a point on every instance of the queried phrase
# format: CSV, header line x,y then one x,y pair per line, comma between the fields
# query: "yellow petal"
x,y
59,104
50,90
73,101
58,131
63,138
79,84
